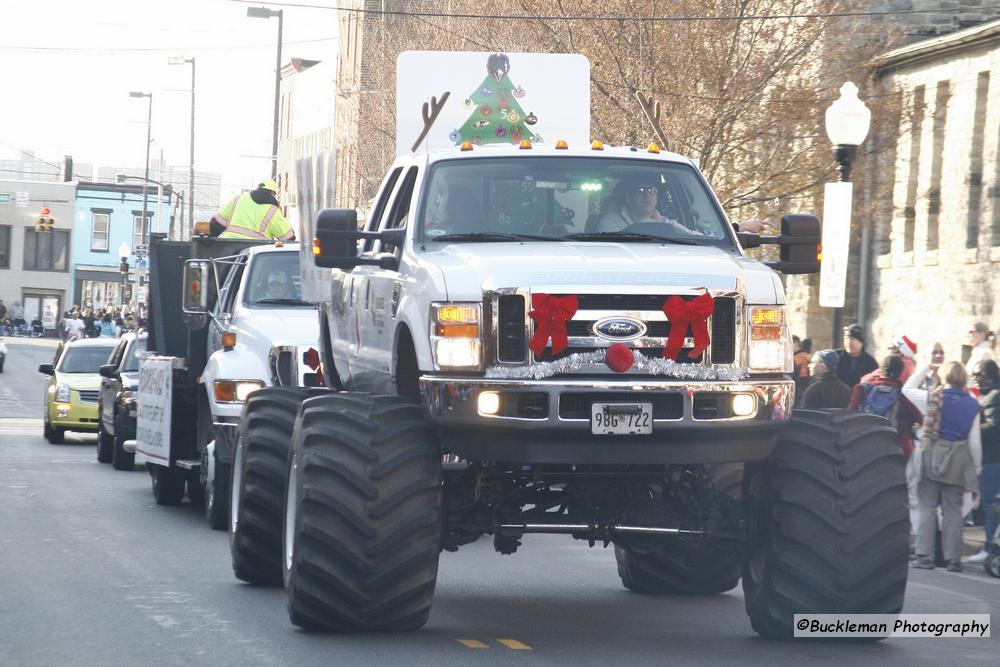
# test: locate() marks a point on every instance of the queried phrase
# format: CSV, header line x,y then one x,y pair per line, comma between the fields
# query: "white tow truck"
x,y
567,338
226,318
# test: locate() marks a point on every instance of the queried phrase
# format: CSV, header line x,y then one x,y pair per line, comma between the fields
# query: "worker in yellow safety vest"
x,y
253,215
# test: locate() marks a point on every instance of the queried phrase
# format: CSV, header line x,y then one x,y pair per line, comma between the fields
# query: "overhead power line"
x,y
587,17
98,50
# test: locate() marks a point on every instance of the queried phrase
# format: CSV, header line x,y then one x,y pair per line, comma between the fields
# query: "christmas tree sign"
x,y
495,113
492,98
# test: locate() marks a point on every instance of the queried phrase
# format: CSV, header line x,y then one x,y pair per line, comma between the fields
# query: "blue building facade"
x,y
106,216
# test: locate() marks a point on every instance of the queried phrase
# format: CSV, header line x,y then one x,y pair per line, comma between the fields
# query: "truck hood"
x,y
570,267
291,326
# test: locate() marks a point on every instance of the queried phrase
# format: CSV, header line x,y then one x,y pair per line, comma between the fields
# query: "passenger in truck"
x,y
277,285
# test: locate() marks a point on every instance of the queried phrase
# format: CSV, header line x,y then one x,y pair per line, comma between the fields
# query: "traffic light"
x,y
44,222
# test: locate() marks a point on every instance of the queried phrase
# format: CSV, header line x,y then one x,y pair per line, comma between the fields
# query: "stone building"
x,y
935,256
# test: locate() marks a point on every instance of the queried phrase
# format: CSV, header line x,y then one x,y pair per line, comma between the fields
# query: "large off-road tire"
x,y
105,445
681,567
827,522
257,499
168,484
55,436
362,516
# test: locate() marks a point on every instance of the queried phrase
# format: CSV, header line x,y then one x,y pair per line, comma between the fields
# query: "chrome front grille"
x,y
88,395
512,327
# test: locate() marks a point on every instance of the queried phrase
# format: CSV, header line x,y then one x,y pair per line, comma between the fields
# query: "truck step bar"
x,y
518,529
188,464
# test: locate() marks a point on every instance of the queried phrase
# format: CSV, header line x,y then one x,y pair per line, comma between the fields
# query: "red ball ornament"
x,y
619,358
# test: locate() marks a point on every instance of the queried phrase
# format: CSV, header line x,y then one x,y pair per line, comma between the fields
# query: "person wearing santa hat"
x,y
901,347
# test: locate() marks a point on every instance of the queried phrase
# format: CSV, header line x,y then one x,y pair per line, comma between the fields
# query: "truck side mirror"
x,y
46,369
335,245
108,371
197,274
800,239
799,242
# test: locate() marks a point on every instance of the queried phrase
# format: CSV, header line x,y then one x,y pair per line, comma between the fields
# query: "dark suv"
x,y
117,401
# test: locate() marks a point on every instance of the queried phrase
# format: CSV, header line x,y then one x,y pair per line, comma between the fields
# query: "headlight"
x,y
234,391
455,335
62,393
769,346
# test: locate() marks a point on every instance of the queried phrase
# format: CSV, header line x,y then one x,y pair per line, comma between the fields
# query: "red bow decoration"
x,y
682,313
550,314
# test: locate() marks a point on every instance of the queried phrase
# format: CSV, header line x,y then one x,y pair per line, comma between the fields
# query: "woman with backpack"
x,y
883,396
947,462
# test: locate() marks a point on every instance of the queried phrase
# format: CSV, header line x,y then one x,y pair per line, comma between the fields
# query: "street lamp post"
x,y
847,123
180,60
149,126
265,13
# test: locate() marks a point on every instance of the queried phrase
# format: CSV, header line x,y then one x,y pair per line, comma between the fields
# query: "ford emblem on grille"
x,y
619,328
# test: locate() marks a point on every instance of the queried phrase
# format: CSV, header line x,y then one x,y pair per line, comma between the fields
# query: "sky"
x,y
67,66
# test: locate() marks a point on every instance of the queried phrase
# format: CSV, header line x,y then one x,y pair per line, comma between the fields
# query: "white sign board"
x,y
315,182
155,398
836,244
21,199
493,98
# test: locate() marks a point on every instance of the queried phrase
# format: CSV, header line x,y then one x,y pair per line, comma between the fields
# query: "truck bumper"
x,y
548,421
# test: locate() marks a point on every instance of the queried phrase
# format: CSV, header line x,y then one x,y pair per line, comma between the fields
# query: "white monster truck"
x,y
561,340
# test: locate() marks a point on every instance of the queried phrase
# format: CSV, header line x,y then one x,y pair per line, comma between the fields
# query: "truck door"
x,y
380,304
349,292
224,305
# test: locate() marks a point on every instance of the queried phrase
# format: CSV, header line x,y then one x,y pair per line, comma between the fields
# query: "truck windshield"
x,y
84,359
131,362
274,281
571,198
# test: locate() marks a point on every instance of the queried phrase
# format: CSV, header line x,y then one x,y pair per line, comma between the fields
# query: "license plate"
x,y
621,418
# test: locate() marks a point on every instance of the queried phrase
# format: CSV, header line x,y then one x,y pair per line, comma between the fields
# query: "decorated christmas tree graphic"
x,y
495,115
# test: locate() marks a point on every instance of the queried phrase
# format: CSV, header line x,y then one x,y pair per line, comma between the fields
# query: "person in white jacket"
x,y
981,341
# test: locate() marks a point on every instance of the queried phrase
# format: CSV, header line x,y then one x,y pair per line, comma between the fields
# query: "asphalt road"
x,y
92,572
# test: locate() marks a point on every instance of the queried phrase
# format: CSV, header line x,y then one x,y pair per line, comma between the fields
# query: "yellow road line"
x,y
515,645
471,643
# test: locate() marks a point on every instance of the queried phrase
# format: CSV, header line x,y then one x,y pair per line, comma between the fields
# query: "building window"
x,y
140,230
46,251
913,178
937,161
5,246
976,150
99,232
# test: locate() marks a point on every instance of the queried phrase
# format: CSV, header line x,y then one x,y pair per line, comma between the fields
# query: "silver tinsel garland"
x,y
643,364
